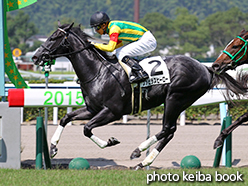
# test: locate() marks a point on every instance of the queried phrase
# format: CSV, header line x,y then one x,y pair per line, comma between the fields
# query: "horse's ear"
x,y
246,35
59,24
242,32
67,28
71,25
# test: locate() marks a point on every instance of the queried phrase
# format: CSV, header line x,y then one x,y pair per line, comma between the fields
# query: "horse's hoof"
x,y
138,167
218,143
53,151
112,141
136,154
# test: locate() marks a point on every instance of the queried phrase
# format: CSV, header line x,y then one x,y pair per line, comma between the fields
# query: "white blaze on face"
x,y
225,48
228,44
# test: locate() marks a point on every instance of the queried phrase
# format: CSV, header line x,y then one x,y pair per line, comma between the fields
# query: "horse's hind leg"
x,y
79,114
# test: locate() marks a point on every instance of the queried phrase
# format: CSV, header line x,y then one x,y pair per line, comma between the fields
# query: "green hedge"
x,y
31,113
202,112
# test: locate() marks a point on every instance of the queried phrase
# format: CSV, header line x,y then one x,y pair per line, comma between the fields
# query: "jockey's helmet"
x,y
98,18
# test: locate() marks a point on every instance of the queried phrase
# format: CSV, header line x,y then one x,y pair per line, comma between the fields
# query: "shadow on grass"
x,y
63,163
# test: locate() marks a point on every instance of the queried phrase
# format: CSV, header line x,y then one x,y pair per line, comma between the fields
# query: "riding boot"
x,y
138,74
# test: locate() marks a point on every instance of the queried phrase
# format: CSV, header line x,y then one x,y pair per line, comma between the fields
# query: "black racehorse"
x,y
234,54
108,93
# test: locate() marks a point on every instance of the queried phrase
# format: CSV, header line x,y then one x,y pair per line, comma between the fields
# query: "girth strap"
x,y
136,98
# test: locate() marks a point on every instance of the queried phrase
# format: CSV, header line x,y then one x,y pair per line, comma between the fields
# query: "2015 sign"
x,y
45,97
59,98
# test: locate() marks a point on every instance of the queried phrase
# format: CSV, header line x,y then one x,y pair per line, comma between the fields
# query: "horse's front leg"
x,y
79,114
220,139
104,117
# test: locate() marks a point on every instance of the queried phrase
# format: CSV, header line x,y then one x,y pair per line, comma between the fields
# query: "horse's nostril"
x,y
34,58
215,66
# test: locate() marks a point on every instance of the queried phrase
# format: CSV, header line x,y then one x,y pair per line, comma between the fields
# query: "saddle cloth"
x,y
158,73
155,67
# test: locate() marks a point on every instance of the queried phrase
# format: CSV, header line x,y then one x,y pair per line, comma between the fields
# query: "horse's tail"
x,y
236,87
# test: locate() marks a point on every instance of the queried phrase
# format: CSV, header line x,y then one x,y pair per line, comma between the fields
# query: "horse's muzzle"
x,y
41,60
38,62
216,67
35,60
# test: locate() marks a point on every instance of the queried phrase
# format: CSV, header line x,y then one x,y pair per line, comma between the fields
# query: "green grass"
x,y
110,177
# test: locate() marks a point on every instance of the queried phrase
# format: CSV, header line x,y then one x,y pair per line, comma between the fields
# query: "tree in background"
x,y
224,26
186,33
19,30
162,28
183,35
193,38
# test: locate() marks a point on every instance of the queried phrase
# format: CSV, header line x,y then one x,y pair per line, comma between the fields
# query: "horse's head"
x,y
233,55
55,46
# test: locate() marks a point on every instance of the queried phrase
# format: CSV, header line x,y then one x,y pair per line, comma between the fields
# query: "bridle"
x,y
235,62
48,56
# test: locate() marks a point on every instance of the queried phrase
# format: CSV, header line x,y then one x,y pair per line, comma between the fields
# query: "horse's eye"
x,y
56,35
235,46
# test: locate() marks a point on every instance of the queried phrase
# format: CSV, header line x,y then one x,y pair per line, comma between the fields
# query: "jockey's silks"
x,y
121,31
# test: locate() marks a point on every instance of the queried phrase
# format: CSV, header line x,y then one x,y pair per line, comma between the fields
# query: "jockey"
x,y
140,41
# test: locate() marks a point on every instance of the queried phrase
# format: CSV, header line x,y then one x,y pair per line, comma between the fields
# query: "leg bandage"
x,y
102,144
146,144
150,158
56,135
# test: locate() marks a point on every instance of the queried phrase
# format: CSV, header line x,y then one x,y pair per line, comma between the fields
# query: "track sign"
x,y
17,52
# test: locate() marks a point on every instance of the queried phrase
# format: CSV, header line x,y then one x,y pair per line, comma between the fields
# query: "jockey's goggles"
x,y
98,27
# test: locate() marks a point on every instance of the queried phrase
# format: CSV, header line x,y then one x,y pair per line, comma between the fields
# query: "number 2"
x,y
154,72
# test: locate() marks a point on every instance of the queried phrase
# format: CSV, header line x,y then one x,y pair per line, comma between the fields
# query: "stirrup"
x,y
138,77
134,79
144,75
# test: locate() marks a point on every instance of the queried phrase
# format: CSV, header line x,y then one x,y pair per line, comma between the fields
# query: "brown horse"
x,y
234,54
